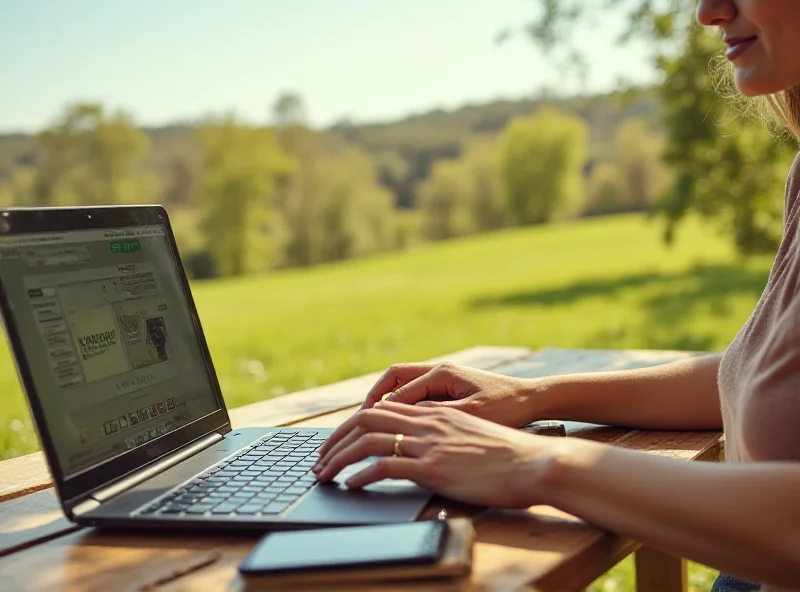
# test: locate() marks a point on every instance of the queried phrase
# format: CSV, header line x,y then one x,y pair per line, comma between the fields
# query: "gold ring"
x,y
398,439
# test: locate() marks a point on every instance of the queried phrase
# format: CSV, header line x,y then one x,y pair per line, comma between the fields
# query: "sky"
x,y
364,60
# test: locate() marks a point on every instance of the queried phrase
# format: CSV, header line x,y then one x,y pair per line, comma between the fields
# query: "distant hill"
x,y
421,139
404,149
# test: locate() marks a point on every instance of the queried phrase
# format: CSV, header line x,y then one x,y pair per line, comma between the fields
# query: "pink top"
x,y
759,376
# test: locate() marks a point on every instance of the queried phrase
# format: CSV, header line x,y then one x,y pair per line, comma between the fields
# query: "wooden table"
x,y
541,549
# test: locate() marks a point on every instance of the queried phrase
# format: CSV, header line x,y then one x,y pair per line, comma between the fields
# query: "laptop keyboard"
x,y
264,479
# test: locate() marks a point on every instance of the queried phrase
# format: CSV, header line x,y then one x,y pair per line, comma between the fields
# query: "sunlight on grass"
x,y
623,579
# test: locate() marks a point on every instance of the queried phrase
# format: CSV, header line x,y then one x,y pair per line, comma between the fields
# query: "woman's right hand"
x,y
501,399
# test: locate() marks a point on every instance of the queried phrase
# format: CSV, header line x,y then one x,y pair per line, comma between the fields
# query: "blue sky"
x,y
367,60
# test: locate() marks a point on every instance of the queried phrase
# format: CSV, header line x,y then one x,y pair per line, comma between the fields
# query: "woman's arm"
x,y
681,395
740,518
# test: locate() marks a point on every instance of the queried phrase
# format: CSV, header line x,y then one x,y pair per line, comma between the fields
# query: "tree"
x,y
487,198
727,166
289,110
444,201
355,215
180,178
240,167
706,135
296,196
607,192
644,174
541,165
331,206
6,195
90,157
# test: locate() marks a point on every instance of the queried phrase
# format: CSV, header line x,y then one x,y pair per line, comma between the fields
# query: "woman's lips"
x,y
737,46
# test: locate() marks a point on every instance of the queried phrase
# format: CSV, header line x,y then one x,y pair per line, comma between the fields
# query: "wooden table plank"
x,y
657,571
31,519
23,475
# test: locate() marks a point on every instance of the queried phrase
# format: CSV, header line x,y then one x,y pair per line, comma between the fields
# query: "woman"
x,y
742,517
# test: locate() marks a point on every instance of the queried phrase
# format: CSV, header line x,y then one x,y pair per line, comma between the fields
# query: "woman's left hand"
x,y
448,451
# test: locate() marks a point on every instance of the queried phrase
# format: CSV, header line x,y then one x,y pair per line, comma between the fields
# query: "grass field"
x,y
599,283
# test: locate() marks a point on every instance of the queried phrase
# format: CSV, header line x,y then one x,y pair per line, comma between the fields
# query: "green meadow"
x,y
605,283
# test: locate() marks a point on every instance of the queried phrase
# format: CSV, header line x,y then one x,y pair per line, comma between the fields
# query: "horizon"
x,y
194,122
179,63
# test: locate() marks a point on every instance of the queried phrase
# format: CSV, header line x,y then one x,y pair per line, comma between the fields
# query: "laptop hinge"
x,y
105,494
84,507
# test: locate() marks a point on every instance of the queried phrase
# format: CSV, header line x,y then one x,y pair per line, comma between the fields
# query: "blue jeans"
x,y
726,583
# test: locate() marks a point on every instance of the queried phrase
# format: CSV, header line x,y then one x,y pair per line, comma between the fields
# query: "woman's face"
x,y
763,39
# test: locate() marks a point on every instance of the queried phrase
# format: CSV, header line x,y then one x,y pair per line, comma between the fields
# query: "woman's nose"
x,y
715,13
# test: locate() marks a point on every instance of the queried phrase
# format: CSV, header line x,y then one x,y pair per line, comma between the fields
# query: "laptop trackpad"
x,y
391,500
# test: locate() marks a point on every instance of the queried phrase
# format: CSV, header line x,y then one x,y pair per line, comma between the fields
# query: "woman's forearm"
x,y
681,395
739,518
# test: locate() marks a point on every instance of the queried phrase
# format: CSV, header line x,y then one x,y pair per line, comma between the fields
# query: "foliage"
x,y
464,195
355,215
542,165
420,140
486,197
444,203
644,174
239,170
725,165
180,175
330,206
88,157
407,228
636,177
607,192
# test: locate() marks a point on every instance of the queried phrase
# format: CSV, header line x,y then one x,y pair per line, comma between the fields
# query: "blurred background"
x,y
357,183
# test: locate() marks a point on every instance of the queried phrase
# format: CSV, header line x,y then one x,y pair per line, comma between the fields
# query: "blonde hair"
x,y
786,107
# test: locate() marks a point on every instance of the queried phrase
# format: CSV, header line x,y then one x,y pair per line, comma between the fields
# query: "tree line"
x,y
250,198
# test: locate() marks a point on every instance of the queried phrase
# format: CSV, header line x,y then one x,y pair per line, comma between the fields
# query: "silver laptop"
x,y
113,361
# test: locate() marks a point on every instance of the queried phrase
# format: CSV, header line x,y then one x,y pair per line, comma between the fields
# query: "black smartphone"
x,y
384,545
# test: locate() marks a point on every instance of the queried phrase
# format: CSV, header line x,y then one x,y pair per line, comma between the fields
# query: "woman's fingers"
x,y
436,383
345,441
402,409
397,375
370,444
371,420
391,467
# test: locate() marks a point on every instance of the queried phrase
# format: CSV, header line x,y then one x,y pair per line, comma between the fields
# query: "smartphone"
x,y
340,548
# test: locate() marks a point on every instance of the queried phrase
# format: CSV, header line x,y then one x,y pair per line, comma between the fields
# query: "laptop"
x,y
117,372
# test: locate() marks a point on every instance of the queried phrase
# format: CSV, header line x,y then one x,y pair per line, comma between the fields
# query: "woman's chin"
x,y
751,85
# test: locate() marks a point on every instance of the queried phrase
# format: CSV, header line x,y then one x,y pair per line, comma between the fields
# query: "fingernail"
x,y
318,467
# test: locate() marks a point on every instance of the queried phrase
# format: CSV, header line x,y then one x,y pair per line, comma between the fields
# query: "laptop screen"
x,y
108,335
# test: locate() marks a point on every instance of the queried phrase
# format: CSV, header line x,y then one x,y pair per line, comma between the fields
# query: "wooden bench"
x,y
540,549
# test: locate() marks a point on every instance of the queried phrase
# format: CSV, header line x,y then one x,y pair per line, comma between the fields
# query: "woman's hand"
x,y
501,399
443,449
